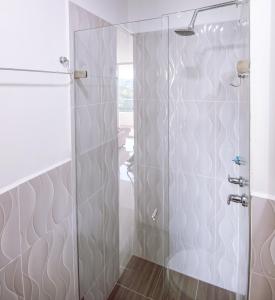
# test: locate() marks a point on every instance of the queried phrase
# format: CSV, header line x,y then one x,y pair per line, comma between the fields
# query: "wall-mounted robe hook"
x,y
243,70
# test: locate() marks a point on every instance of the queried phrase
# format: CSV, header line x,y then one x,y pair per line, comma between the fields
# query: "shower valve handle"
x,y
239,180
243,200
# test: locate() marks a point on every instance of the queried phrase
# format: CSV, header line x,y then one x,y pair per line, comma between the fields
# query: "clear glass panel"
x,y
209,128
121,131
159,121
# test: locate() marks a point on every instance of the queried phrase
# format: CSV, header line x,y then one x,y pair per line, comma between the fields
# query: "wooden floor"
x,y
142,280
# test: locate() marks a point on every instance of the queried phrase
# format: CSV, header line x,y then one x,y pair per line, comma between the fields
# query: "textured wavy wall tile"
x,y
195,127
88,128
89,174
80,18
88,91
227,238
11,287
111,219
97,163
262,288
150,49
48,266
153,186
90,235
109,89
62,198
97,291
44,202
152,141
109,121
191,251
203,138
110,164
193,74
227,139
9,227
263,236
88,52
138,44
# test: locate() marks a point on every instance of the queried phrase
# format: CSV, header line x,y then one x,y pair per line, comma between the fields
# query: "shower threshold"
x,y
142,279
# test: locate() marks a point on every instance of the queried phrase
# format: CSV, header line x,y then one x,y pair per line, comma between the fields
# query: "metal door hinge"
x,y
79,74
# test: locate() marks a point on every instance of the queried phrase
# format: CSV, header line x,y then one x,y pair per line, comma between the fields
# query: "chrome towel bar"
x,y
35,71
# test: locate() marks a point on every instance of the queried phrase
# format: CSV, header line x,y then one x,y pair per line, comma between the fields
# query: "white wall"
x,y
113,11
35,108
34,115
263,98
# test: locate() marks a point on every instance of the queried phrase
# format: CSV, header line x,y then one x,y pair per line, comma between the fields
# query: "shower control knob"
x,y
240,181
243,200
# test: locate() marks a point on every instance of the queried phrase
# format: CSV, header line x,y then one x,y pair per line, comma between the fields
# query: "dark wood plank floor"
x,y
143,280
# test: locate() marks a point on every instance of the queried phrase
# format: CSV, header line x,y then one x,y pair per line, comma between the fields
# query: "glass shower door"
x,y
161,122
96,155
121,153
208,142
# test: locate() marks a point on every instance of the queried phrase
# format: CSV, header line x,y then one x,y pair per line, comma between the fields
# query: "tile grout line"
x,y
196,295
10,262
159,278
20,240
133,291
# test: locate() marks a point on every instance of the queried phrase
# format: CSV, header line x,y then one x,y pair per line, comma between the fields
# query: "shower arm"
x,y
214,6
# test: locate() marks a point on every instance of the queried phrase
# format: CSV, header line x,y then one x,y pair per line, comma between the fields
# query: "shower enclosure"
x,y
162,158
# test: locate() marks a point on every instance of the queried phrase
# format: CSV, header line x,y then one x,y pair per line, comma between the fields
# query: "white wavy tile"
x,y
81,19
109,121
152,139
88,128
9,227
97,162
91,241
88,91
204,137
227,139
194,142
11,286
191,251
193,74
89,174
111,233
150,49
97,291
227,237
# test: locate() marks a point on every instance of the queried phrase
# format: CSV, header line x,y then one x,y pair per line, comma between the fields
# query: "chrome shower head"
x,y
190,29
185,31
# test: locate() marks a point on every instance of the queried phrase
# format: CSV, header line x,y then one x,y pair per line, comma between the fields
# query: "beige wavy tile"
x,y
44,202
261,288
263,229
9,227
48,266
11,287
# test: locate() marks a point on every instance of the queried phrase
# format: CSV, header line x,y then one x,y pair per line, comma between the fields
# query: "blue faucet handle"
x,y
238,161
